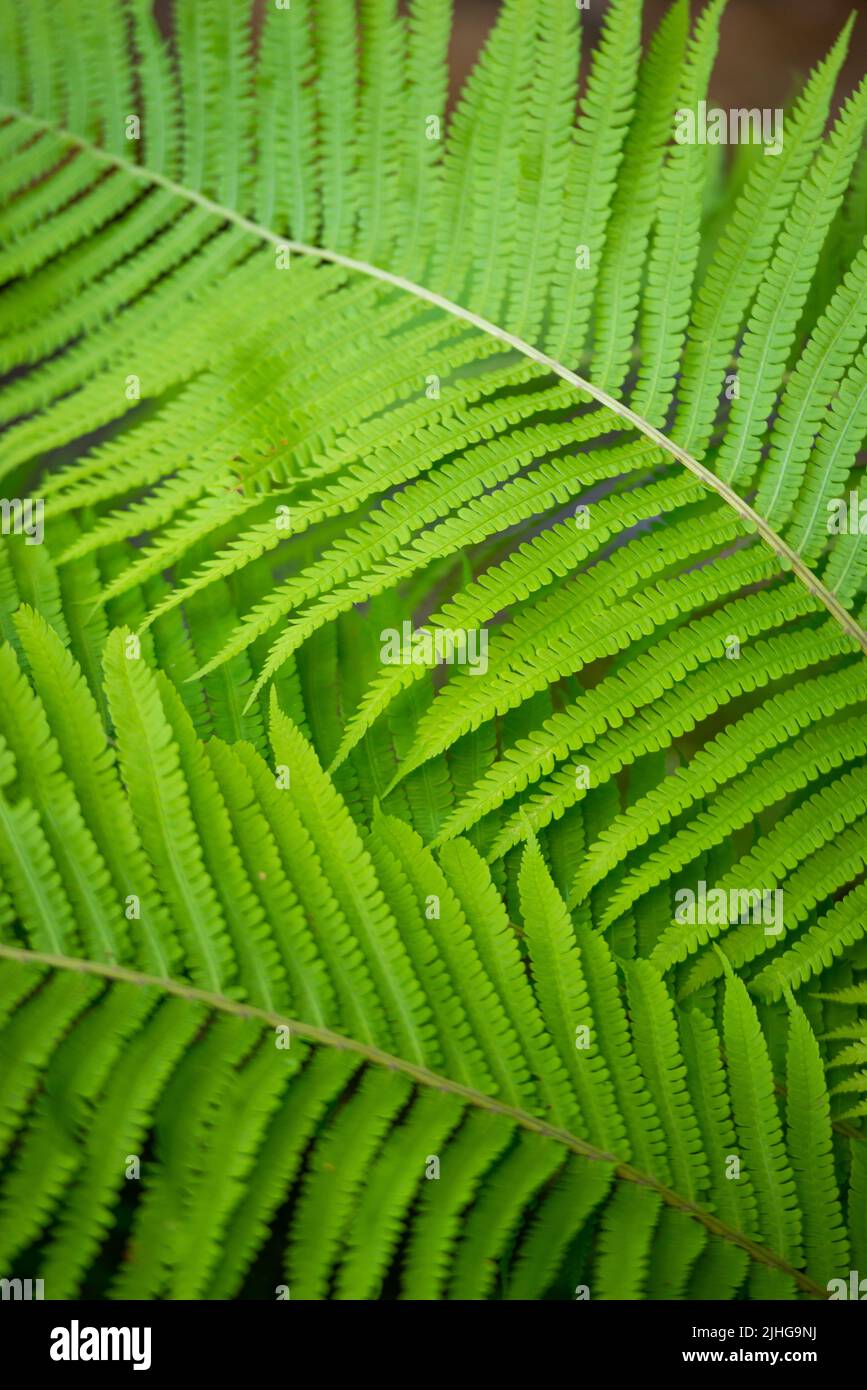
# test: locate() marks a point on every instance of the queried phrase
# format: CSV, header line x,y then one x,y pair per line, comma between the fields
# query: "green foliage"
x,y
371,978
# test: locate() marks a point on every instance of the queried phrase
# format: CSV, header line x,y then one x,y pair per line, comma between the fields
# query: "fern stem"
x,y
789,558
424,1077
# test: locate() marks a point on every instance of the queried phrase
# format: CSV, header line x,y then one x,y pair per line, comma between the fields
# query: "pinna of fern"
x,y
231,1008
291,358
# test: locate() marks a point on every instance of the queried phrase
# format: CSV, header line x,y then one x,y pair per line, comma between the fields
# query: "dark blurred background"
x,y
766,44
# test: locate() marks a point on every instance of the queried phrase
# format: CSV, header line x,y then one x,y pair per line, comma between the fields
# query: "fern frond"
x,y
369,969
